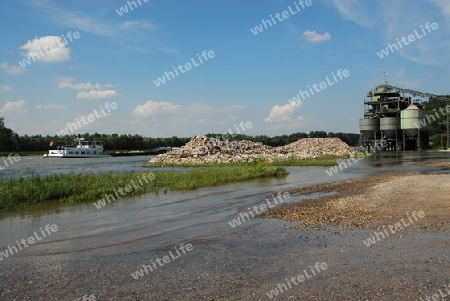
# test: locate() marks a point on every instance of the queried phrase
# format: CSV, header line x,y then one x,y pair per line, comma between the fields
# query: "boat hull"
x,y
84,149
75,154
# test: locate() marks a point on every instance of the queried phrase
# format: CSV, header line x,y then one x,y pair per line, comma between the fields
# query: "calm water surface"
x,y
36,165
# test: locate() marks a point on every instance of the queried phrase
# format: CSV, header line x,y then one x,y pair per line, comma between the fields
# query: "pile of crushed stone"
x,y
211,150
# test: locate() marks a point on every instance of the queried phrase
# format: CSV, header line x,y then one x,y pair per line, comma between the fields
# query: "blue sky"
x,y
251,77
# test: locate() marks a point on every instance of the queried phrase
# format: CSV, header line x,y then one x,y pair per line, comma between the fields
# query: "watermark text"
x,y
252,212
11,159
302,95
282,287
124,9
108,198
394,228
25,243
180,250
280,17
71,127
391,48
168,76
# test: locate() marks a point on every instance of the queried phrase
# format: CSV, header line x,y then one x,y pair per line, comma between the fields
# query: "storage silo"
x,y
410,119
369,127
414,126
389,126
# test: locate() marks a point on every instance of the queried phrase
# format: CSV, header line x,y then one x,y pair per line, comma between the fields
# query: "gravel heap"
x,y
211,150
317,147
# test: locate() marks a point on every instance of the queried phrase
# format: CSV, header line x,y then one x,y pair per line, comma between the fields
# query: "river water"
x,y
154,221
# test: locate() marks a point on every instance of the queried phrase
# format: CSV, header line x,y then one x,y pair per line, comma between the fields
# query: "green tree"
x,y
318,134
6,137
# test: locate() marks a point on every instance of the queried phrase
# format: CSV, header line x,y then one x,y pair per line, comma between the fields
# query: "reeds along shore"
x,y
22,193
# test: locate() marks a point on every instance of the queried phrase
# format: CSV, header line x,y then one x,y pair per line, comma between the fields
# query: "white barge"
x,y
83,149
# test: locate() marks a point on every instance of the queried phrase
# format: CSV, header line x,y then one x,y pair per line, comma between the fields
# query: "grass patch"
x,y
23,193
306,162
323,161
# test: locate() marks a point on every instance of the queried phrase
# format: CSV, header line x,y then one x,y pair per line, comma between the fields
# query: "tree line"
x,y
436,110
349,138
11,141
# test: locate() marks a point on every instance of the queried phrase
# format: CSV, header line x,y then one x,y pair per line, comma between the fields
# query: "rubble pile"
x,y
317,147
211,150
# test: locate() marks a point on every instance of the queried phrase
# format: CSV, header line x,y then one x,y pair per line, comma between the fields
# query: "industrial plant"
x,y
395,118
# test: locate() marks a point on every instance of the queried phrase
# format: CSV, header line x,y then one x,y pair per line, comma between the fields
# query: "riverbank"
x,y
251,262
371,203
323,161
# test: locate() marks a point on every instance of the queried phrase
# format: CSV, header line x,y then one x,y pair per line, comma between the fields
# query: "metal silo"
x,y
369,126
410,120
389,126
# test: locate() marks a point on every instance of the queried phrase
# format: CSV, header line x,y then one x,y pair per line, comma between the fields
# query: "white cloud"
x,y
11,69
444,5
67,83
388,21
6,88
180,119
101,28
86,24
97,94
14,107
128,34
283,113
355,11
314,37
97,91
138,24
52,106
151,107
47,49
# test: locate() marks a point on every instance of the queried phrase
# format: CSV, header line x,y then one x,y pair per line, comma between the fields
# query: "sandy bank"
x,y
372,202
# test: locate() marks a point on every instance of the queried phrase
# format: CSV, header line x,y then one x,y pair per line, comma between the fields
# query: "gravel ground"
x,y
372,202
412,264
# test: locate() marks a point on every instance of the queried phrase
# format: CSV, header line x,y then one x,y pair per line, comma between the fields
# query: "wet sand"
x,y
412,263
